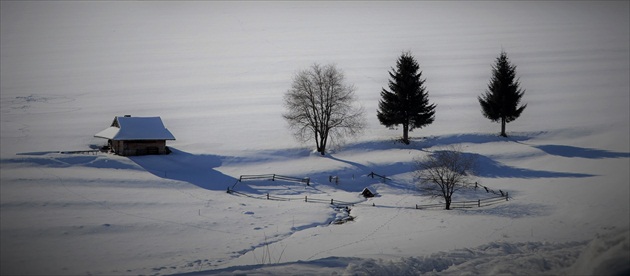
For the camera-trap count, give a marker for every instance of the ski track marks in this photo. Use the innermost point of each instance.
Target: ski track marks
(365, 237)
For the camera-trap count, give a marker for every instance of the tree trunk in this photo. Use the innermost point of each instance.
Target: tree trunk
(322, 147)
(503, 127)
(406, 134)
(324, 141)
(320, 144)
(448, 203)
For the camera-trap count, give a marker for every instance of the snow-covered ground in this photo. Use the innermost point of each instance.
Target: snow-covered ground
(216, 73)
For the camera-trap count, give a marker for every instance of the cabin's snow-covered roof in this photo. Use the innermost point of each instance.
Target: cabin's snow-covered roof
(136, 128)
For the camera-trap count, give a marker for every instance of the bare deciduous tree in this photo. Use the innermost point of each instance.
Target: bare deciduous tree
(444, 172)
(321, 107)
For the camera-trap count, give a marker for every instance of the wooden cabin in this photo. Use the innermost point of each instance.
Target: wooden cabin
(129, 136)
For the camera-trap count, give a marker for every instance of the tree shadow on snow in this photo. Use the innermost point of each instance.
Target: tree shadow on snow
(487, 167)
(420, 143)
(570, 151)
(471, 138)
(197, 169)
(356, 178)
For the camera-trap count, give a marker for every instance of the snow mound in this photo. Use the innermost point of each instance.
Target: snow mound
(607, 254)
(604, 255)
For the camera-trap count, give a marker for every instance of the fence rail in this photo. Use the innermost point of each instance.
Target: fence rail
(372, 175)
(305, 198)
(466, 204)
(274, 177)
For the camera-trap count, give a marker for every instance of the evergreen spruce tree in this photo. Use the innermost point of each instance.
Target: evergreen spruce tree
(501, 100)
(406, 102)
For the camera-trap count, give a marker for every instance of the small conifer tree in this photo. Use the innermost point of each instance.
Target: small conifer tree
(501, 100)
(406, 102)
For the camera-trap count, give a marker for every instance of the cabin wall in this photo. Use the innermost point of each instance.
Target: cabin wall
(140, 147)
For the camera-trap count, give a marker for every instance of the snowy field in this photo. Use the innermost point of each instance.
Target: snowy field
(216, 72)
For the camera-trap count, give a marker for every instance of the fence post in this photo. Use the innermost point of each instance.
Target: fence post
(267, 195)
(228, 189)
(331, 201)
(416, 206)
(478, 202)
(305, 198)
(308, 181)
(273, 177)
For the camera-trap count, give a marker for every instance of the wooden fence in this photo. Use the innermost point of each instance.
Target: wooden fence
(499, 197)
(305, 198)
(274, 177)
(382, 177)
(466, 204)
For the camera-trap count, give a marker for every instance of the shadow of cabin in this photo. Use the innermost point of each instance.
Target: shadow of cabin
(129, 136)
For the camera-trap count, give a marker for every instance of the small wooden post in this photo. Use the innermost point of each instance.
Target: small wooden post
(305, 198)
(267, 195)
(331, 201)
(478, 202)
